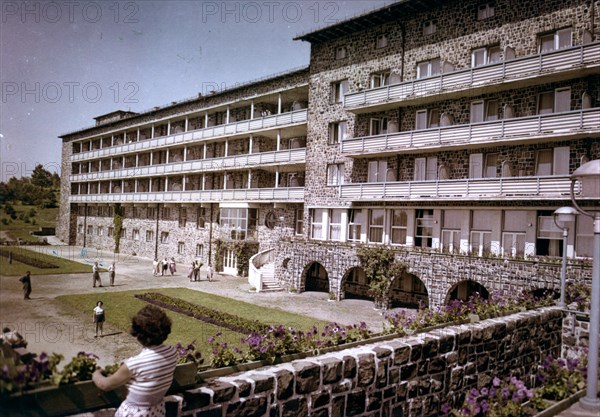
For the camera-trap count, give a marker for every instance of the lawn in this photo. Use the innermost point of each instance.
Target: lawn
(19, 228)
(121, 306)
(65, 266)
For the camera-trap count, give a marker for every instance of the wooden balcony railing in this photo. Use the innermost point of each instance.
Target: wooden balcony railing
(230, 129)
(288, 156)
(562, 60)
(287, 194)
(568, 124)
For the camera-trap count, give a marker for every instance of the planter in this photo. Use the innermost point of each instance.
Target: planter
(560, 406)
(473, 318)
(185, 375)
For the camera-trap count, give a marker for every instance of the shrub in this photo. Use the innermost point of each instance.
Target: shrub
(560, 378)
(80, 368)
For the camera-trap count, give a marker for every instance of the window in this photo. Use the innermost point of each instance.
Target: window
(135, 234)
(562, 38)
(151, 213)
(90, 229)
(452, 222)
(123, 234)
(338, 89)
(335, 174)
(381, 41)
(484, 111)
(380, 79)
(199, 250)
(182, 216)
(378, 126)
(398, 227)
(485, 11)
(110, 232)
(377, 171)
(429, 28)
(487, 55)
(335, 224)
(426, 169)
(555, 101)
(166, 213)
(552, 161)
(355, 221)
(340, 53)
(238, 223)
(513, 233)
(181, 248)
(424, 229)
(80, 228)
(425, 119)
(481, 233)
(483, 166)
(337, 132)
(549, 236)
(316, 226)
(149, 235)
(164, 237)
(99, 230)
(584, 243)
(201, 218)
(376, 217)
(429, 68)
(299, 221)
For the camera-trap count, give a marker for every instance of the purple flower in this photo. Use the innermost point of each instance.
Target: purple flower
(496, 382)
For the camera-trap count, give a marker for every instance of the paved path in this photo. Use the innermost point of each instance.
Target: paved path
(52, 327)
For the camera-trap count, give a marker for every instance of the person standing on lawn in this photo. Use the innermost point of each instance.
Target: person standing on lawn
(149, 374)
(26, 281)
(99, 317)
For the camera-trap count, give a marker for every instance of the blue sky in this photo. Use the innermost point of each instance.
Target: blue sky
(63, 63)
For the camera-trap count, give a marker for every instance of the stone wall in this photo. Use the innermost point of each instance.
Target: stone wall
(439, 272)
(409, 376)
(575, 334)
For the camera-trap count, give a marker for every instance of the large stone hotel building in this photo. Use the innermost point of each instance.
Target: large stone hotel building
(446, 130)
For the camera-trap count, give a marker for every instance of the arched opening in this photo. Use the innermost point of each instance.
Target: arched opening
(545, 293)
(316, 278)
(465, 289)
(355, 284)
(408, 291)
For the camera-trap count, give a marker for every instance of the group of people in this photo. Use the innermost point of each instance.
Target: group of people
(96, 274)
(164, 266)
(194, 271)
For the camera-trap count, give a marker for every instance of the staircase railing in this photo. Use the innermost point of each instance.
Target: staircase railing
(256, 262)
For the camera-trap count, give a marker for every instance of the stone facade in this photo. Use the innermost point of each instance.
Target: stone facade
(410, 376)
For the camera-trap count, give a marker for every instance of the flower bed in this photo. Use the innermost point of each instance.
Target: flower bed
(34, 261)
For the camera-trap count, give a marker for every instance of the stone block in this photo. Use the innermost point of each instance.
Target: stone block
(247, 407)
(331, 369)
(349, 366)
(356, 403)
(285, 384)
(320, 399)
(196, 398)
(294, 408)
(243, 387)
(366, 369)
(308, 376)
(262, 382)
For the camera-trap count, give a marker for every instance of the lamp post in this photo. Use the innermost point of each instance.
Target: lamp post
(588, 175)
(562, 218)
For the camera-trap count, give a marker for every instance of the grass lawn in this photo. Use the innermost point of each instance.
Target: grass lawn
(17, 268)
(44, 217)
(121, 306)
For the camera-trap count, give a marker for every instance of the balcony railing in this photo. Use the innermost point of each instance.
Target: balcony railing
(295, 156)
(574, 123)
(562, 60)
(550, 187)
(287, 194)
(229, 129)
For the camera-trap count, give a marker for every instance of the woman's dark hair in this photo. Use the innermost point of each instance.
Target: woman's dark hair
(150, 326)
(99, 302)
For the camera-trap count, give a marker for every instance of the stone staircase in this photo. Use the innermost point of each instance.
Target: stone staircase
(269, 283)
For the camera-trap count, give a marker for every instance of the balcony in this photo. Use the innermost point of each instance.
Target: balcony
(240, 128)
(551, 65)
(258, 195)
(515, 188)
(567, 125)
(288, 156)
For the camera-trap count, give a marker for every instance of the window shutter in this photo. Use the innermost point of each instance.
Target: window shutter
(561, 160)
(476, 165)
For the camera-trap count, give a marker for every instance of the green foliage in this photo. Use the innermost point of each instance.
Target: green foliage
(118, 226)
(243, 250)
(560, 378)
(381, 268)
(41, 177)
(219, 252)
(80, 368)
(30, 258)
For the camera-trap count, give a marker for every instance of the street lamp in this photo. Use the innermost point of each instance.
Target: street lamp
(588, 176)
(562, 218)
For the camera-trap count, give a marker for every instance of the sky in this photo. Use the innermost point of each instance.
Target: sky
(64, 62)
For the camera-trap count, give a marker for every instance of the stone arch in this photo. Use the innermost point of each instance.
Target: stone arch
(463, 290)
(355, 284)
(408, 291)
(315, 278)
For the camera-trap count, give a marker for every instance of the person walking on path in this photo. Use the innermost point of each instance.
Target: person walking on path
(165, 265)
(191, 271)
(111, 274)
(149, 374)
(172, 266)
(197, 266)
(99, 317)
(96, 275)
(155, 266)
(209, 272)
(26, 281)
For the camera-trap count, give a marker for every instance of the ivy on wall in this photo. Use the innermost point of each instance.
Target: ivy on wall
(118, 226)
(382, 269)
(243, 251)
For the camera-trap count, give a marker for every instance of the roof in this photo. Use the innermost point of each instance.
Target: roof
(391, 12)
(115, 113)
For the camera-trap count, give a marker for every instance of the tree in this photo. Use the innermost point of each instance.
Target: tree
(41, 177)
(381, 268)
